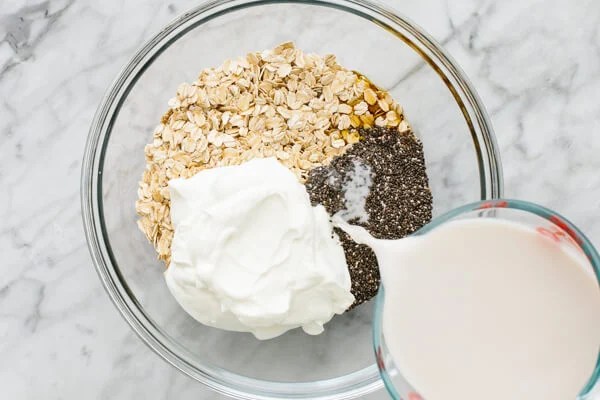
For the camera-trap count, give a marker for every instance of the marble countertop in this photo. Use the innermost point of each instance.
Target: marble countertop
(536, 65)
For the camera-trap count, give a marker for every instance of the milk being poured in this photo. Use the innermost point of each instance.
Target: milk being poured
(488, 309)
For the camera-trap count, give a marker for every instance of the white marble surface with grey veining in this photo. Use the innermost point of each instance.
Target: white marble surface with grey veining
(535, 63)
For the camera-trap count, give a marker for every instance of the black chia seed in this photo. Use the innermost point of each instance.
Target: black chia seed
(398, 204)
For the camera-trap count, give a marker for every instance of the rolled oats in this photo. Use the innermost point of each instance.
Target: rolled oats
(302, 108)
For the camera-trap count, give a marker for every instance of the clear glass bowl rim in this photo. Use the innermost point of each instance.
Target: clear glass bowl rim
(485, 205)
(349, 386)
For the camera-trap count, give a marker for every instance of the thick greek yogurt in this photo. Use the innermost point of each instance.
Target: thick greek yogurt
(251, 254)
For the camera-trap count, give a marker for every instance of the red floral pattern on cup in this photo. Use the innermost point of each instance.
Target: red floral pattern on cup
(379, 358)
(556, 220)
(494, 204)
(558, 235)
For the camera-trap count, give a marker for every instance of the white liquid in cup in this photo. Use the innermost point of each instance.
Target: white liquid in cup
(488, 309)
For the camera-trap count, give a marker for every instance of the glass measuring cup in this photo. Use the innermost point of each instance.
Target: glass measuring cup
(545, 222)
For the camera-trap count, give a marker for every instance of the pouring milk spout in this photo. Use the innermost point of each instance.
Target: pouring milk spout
(492, 305)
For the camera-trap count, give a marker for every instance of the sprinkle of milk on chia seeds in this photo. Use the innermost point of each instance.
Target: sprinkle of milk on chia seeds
(397, 202)
(333, 179)
(356, 190)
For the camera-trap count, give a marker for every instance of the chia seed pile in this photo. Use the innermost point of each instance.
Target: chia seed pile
(399, 202)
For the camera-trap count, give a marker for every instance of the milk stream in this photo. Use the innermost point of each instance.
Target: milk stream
(488, 309)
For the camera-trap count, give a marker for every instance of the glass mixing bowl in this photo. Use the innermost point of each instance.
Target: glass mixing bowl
(446, 113)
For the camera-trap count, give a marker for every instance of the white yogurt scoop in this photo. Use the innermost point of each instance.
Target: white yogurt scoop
(251, 254)
(488, 309)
